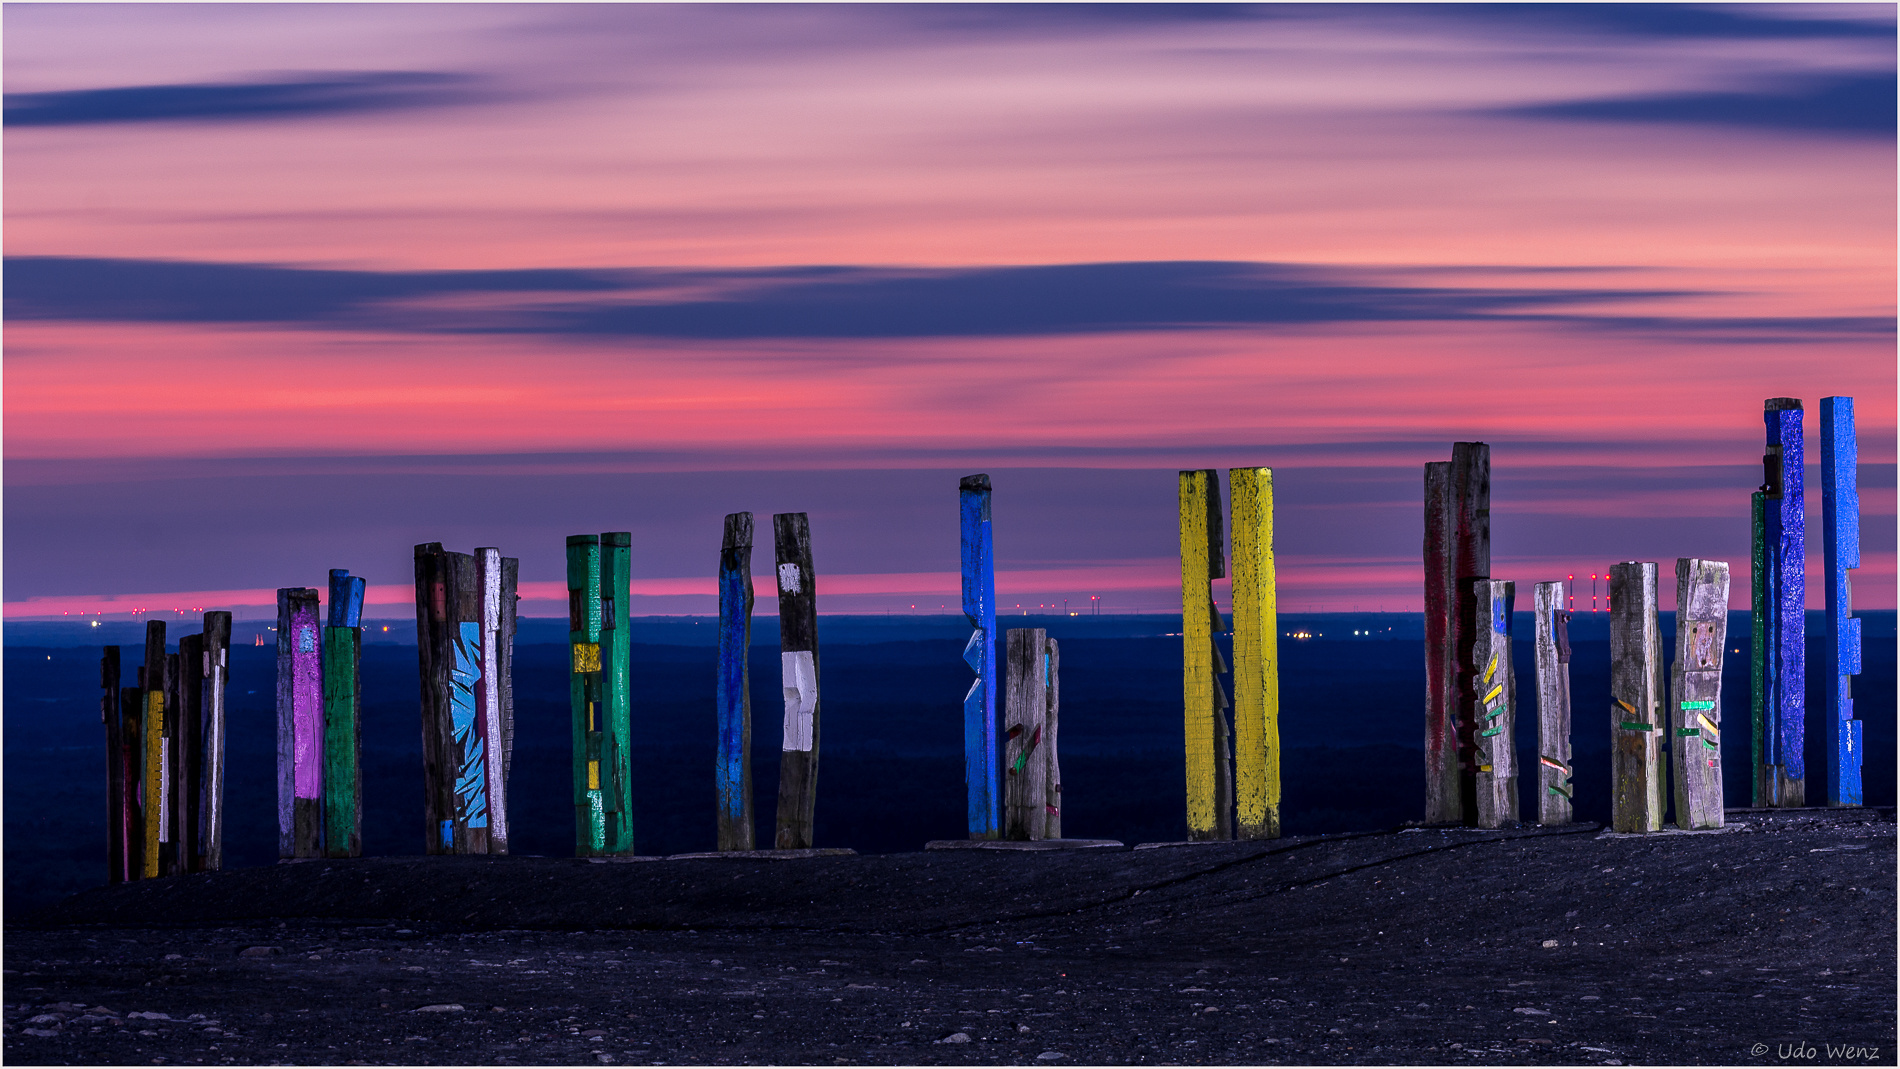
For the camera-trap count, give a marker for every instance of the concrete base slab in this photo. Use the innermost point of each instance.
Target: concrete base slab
(770, 855)
(1033, 844)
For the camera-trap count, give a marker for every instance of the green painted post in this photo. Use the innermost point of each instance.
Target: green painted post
(600, 690)
(342, 742)
(616, 646)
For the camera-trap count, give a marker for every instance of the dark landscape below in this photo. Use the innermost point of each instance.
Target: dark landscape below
(1352, 940)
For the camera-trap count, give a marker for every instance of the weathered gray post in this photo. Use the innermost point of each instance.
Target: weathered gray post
(1636, 802)
(1052, 769)
(1696, 690)
(1553, 706)
(1025, 779)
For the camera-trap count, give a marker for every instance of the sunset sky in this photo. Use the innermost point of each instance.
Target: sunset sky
(295, 287)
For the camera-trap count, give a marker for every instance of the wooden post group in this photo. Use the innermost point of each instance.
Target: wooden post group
(165, 755)
(465, 626)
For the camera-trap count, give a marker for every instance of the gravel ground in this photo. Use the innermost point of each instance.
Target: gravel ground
(1771, 942)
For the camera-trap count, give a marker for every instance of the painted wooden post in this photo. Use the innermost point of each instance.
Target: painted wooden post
(1695, 691)
(798, 666)
(1494, 712)
(593, 764)
(464, 621)
(1554, 795)
(1840, 542)
(299, 725)
(342, 718)
(188, 748)
(109, 715)
(169, 846)
(1636, 723)
(598, 691)
(1051, 763)
(152, 795)
(1758, 659)
(1256, 657)
(732, 771)
(616, 683)
(1210, 782)
(217, 645)
(1026, 706)
(1785, 543)
(981, 775)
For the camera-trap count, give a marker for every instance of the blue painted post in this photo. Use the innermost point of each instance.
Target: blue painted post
(979, 705)
(732, 775)
(1840, 541)
(1784, 545)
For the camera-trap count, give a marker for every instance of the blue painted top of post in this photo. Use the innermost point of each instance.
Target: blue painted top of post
(1840, 484)
(979, 566)
(346, 598)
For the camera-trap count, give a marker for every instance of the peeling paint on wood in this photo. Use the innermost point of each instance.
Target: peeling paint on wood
(1840, 542)
(982, 781)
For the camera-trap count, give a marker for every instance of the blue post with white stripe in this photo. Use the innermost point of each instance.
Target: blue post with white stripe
(1840, 541)
(979, 705)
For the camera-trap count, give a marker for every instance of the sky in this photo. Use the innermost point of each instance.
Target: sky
(296, 287)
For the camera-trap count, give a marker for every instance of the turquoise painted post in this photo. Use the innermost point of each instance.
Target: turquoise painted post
(1785, 552)
(979, 705)
(1840, 541)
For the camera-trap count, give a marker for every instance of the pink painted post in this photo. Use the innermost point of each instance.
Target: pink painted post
(299, 724)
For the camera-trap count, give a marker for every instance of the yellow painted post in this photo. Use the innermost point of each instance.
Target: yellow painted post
(154, 779)
(1256, 657)
(1197, 656)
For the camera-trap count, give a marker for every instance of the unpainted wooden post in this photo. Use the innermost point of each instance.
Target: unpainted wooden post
(1554, 794)
(109, 675)
(1785, 545)
(1759, 683)
(217, 670)
(299, 724)
(1256, 657)
(1494, 712)
(732, 771)
(1636, 722)
(155, 782)
(1025, 780)
(798, 667)
(1840, 541)
(1470, 488)
(1695, 693)
(188, 767)
(132, 777)
(342, 718)
(1052, 767)
(1204, 702)
(981, 776)
(1442, 805)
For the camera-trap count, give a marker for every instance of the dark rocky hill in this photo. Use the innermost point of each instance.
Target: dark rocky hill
(1754, 945)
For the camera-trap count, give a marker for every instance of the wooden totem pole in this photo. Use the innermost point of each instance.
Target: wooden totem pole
(1553, 706)
(732, 770)
(1457, 551)
(1695, 692)
(599, 568)
(1840, 540)
(1636, 721)
(980, 771)
(1210, 782)
(798, 668)
(342, 718)
(1781, 657)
